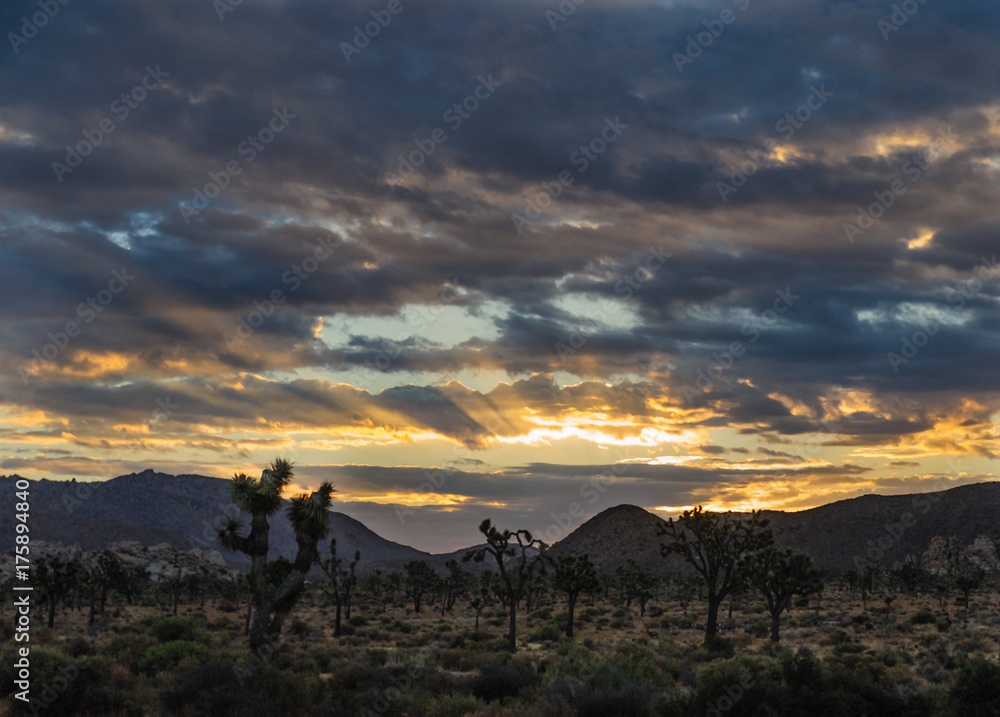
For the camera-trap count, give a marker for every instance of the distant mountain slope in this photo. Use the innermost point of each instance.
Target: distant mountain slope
(896, 525)
(891, 527)
(154, 508)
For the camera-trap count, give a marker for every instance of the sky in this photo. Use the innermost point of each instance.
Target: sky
(524, 260)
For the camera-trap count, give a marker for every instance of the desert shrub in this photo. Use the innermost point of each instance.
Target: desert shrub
(450, 705)
(210, 688)
(923, 617)
(548, 631)
(887, 656)
(78, 646)
(497, 680)
(602, 701)
(67, 686)
(172, 629)
(542, 613)
(863, 620)
(299, 627)
(737, 687)
(975, 691)
(761, 627)
(622, 612)
(165, 657)
(837, 637)
(848, 648)
(943, 624)
(358, 621)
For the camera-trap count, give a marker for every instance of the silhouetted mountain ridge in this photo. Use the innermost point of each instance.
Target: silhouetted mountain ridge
(153, 508)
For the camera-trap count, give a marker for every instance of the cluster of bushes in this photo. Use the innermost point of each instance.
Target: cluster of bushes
(190, 668)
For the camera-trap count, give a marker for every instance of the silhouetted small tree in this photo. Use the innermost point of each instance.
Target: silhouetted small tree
(712, 543)
(420, 580)
(517, 546)
(454, 585)
(573, 575)
(340, 582)
(55, 578)
(780, 575)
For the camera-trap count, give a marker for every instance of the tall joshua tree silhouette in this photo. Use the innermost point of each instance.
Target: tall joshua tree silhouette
(261, 498)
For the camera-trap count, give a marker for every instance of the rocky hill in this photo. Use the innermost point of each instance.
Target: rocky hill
(838, 535)
(153, 508)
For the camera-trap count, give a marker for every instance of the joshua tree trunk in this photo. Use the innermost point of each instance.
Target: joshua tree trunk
(711, 624)
(512, 636)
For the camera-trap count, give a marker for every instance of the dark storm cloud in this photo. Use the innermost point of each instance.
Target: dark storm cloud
(324, 176)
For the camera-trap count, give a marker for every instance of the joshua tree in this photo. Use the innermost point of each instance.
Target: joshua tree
(261, 498)
(103, 574)
(780, 576)
(55, 578)
(635, 584)
(342, 582)
(420, 579)
(712, 543)
(516, 572)
(573, 575)
(454, 585)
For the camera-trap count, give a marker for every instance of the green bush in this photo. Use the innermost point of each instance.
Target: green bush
(760, 627)
(64, 686)
(976, 689)
(166, 657)
(548, 631)
(497, 680)
(172, 629)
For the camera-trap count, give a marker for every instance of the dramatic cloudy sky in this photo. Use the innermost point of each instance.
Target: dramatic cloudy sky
(690, 318)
